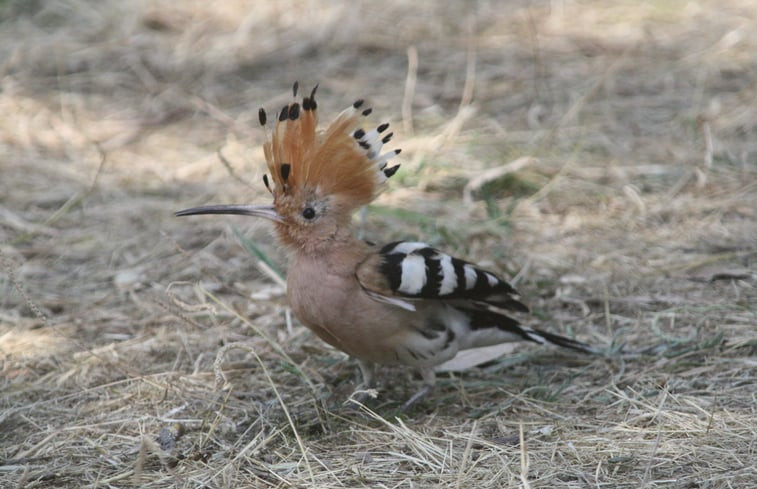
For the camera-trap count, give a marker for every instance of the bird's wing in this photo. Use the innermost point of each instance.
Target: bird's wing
(473, 301)
(406, 271)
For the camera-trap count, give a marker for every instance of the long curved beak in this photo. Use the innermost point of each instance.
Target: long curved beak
(266, 211)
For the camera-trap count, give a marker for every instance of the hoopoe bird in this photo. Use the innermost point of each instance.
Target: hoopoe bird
(403, 303)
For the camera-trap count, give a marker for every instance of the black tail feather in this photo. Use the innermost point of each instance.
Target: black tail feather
(482, 318)
(542, 337)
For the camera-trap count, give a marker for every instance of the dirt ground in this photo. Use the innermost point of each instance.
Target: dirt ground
(601, 154)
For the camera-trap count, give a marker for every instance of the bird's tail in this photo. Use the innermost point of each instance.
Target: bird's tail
(544, 337)
(486, 326)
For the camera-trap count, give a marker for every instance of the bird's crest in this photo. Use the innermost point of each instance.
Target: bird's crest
(343, 161)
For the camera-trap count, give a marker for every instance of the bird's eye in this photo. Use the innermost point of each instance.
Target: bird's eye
(308, 213)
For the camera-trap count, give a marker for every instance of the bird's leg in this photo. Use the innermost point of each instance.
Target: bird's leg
(362, 390)
(429, 379)
(367, 370)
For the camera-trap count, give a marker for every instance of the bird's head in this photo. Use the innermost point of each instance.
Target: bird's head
(318, 178)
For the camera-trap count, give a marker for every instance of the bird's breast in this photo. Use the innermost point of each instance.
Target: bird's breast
(327, 298)
(322, 297)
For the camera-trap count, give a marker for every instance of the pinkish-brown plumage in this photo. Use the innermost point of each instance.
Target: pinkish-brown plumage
(403, 303)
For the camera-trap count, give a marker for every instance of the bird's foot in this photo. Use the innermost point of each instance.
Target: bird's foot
(417, 397)
(365, 389)
(361, 395)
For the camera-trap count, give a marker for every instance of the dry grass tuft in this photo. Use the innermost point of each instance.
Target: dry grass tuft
(605, 155)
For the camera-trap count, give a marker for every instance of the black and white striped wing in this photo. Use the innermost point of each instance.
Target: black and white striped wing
(409, 271)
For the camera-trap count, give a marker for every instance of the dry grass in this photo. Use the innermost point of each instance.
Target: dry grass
(633, 224)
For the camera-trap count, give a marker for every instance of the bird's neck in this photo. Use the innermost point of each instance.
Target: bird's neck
(339, 242)
(338, 257)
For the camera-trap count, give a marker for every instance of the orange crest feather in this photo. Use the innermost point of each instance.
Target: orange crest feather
(343, 162)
